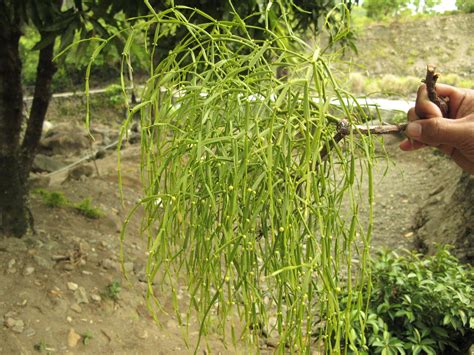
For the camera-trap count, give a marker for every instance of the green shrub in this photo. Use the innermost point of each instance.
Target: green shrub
(465, 5)
(88, 210)
(52, 198)
(418, 305)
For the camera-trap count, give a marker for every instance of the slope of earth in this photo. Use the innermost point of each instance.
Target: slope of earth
(404, 47)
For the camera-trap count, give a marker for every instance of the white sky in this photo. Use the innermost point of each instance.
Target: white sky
(446, 5)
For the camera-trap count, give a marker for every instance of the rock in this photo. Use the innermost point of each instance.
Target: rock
(16, 325)
(72, 338)
(76, 308)
(128, 266)
(82, 170)
(38, 181)
(172, 324)
(43, 163)
(11, 263)
(109, 264)
(29, 332)
(96, 298)
(28, 270)
(72, 286)
(81, 295)
(43, 262)
(47, 126)
(65, 139)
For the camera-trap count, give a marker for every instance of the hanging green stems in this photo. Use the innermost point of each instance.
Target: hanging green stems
(245, 185)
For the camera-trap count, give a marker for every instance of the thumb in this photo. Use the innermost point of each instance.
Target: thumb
(438, 130)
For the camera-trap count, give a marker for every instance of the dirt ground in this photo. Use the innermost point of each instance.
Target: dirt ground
(59, 288)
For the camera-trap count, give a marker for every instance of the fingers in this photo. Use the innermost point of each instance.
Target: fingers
(437, 130)
(462, 161)
(424, 108)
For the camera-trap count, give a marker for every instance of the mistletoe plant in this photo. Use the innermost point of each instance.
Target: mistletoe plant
(246, 181)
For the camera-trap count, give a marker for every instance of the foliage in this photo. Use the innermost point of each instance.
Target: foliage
(86, 338)
(52, 198)
(112, 291)
(417, 305)
(465, 5)
(242, 194)
(381, 8)
(57, 199)
(87, 209)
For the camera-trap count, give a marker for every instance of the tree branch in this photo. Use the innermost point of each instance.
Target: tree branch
(430, 81)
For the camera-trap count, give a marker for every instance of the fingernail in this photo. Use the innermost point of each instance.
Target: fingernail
(413, 129)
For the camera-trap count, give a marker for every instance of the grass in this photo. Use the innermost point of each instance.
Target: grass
(112, 290)
(55, 199)
(87, 209)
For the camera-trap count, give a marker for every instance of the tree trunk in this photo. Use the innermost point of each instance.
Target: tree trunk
(13, 212)
(42, 96)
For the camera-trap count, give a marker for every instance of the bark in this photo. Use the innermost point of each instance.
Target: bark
(13, 212)
(42, 96)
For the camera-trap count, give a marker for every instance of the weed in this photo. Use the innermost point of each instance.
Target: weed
(86, 208)
(52, 198)
(112, 290)
(86, 338)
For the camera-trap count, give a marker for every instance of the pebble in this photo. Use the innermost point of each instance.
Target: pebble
(172, 324)
(88, 273)
(409, 235)
(11, 263)
(43, 262)
(72, 286)
(76, 308)
(109, 264)
(72, 338)
(128, 266)
(96, 298)
(28, 270)
(16, 325)
(29, 332)
(81, 295)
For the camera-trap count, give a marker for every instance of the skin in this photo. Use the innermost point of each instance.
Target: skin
(454, 135)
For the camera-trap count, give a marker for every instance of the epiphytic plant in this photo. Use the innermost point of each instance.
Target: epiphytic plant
(252, 204)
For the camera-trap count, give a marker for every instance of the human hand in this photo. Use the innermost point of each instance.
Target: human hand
(454, 135)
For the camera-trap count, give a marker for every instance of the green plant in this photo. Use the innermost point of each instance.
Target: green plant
(115, 94)
(245, 179)
(112, 290)
(52, 198)
(465, 5)
(87, 209)
(418, 305)
(86, 338)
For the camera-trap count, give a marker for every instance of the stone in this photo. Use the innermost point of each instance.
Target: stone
(76, 308)
(72, 286)
(65, 139)
(81, 295)
(43, 262)
(96, 298)
(29, 332)
(128, 266)
(28, 270)
(16, 325)
(72, 338)
(109, 264)
(82, 170)
(43, 163)
(11, 263)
